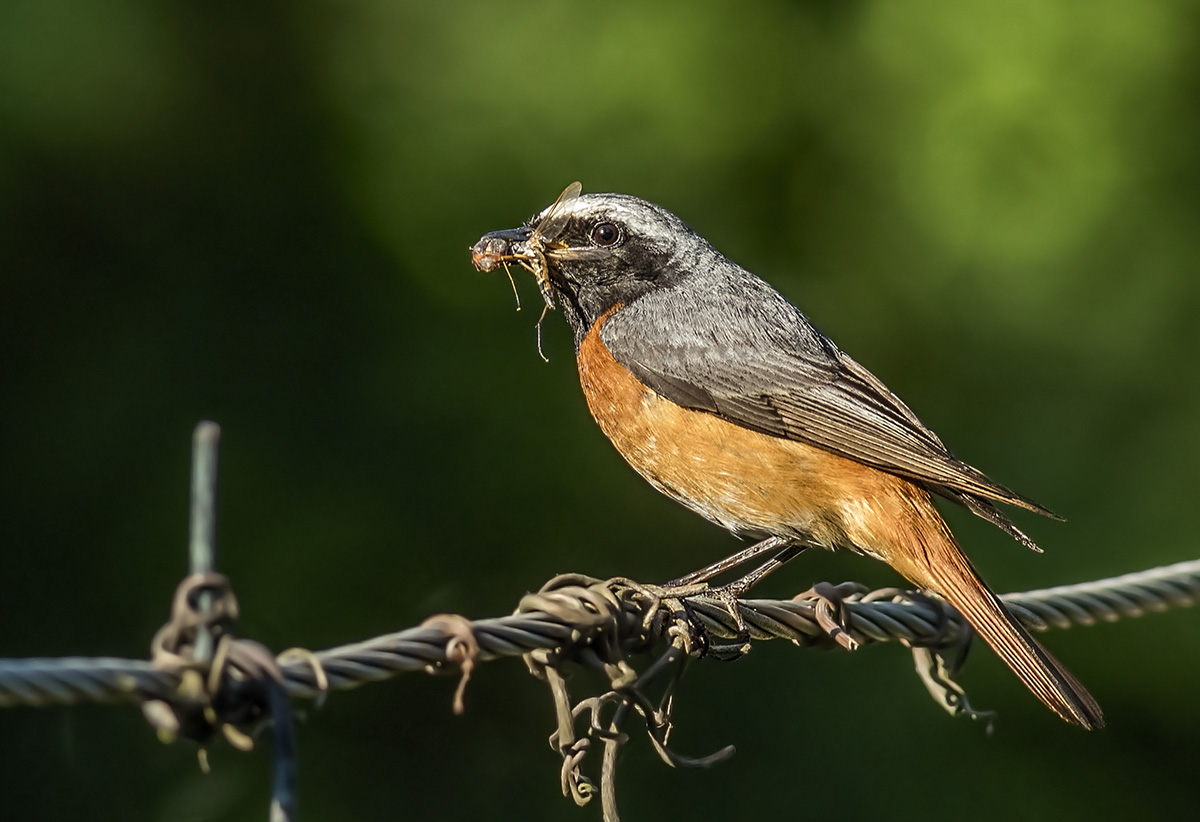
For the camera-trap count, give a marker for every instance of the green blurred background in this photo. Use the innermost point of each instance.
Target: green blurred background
(259, 213)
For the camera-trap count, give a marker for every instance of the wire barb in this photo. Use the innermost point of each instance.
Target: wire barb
(202, 527)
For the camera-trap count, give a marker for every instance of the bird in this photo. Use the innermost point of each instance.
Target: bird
(724, 396)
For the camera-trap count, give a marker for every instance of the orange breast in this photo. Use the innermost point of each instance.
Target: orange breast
(750, 483)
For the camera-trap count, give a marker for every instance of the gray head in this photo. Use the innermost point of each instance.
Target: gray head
(596, 251)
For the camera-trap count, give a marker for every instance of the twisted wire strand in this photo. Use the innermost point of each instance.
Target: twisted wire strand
(882, 616)
(1108, 600)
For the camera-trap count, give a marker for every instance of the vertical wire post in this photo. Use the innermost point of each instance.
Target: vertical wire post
(202, 532)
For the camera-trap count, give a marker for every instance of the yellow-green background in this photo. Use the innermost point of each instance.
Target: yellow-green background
(259, 213)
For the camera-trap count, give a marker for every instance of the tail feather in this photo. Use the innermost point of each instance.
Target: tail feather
(952, 576)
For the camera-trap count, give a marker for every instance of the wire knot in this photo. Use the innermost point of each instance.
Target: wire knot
(610, 620)
(230, 686)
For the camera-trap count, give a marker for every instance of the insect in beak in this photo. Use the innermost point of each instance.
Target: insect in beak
(515, 245)
(500, 248)
(527, 246)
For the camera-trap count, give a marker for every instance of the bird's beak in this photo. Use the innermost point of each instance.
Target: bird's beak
(498, 247)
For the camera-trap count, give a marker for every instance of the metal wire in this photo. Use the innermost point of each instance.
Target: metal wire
(881, 616)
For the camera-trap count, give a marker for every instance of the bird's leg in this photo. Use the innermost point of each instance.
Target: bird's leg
(738, 587)
(734, 560)
(728, 595)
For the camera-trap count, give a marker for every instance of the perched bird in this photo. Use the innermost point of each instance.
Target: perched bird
(723, 396)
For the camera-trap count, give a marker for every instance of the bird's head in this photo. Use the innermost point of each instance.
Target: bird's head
(595, 251)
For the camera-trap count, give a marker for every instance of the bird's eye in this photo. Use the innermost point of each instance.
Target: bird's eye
(605, 234)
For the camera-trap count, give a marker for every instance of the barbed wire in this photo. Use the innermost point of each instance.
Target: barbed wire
(202, 681)
(885, 615)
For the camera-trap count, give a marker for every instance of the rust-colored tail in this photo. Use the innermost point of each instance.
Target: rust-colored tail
(942, 568)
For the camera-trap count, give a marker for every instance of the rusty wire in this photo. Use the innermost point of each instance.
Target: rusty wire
(881, 616)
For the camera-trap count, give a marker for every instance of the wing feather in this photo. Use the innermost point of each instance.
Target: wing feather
(758, 362)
